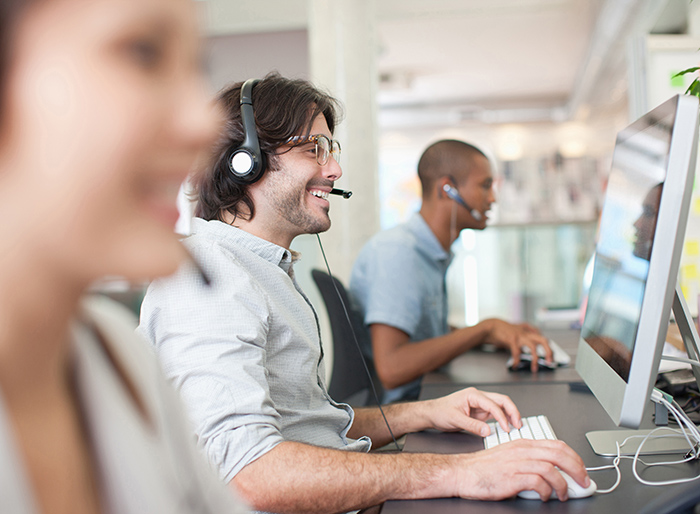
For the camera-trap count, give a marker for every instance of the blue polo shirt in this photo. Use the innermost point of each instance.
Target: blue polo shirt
(399, 280)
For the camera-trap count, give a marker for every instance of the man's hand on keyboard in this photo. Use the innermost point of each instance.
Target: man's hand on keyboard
(515, 337)
(468, 410)
(507, 469)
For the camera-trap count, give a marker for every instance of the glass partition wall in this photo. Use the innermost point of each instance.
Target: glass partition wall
(532, 273)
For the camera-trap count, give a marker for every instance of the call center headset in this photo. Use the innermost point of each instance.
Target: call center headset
(452, 193)
(247, 162)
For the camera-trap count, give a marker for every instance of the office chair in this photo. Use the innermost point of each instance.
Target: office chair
(349, 381)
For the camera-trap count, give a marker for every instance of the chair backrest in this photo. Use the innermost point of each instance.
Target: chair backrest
(349, 381)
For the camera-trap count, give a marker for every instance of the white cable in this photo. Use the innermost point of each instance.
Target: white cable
(679, 415)
(687, 429)
(616, 466)
(685, 424)
(681, 359)
(616, 461)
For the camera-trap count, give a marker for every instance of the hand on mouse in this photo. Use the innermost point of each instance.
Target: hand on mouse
(515, 338)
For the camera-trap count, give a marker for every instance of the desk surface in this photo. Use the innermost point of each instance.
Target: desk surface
(572, 414)
(480, 367)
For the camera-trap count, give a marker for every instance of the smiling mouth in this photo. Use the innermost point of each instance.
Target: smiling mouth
(319, 194)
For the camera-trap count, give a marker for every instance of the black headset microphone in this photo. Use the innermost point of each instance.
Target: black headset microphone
(454, 195)
(341, 192)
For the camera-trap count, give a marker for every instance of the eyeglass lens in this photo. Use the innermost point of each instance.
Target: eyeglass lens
(324, 148)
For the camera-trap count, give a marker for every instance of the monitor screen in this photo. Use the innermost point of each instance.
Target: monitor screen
(625, 242)
(637, 256)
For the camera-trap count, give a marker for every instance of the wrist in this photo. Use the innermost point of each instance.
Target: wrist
(412, 416)
(437, 476)
(487, 326)
(424, 415)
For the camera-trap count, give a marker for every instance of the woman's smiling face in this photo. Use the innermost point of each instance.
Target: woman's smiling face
(104, 113)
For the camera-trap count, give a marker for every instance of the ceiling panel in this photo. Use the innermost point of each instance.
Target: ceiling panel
(485, 54)
(482, 54)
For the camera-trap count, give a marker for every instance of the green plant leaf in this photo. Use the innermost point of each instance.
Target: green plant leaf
(685, 72)
(694, 88)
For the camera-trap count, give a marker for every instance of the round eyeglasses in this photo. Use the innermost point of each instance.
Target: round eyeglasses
(324, 146)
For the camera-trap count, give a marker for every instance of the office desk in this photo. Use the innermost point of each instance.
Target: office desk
(479, 367)
(572, 414)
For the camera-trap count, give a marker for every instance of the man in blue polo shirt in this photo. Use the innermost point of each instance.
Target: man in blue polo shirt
(398, 280)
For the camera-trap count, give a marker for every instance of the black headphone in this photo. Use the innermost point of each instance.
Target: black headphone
(247, 162)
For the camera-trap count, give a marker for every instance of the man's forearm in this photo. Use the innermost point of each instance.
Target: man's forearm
(295, 477)
(399, 361)
(403, 418)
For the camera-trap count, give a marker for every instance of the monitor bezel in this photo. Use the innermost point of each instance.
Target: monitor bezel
(625, 402)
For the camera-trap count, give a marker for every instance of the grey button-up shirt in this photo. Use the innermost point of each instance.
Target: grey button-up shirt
(246, 351)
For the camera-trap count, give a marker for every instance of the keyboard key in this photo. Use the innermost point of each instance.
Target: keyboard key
(534, 427)
(491, 440)
(525, 432)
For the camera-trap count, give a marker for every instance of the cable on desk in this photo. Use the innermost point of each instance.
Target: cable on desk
(687, 429)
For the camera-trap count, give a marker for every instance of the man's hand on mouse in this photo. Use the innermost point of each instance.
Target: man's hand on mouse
(515, 337)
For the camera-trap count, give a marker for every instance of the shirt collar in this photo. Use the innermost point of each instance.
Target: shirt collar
(233, 238)
(428, 242)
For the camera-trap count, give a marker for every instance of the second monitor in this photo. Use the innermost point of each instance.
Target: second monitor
(641, 235)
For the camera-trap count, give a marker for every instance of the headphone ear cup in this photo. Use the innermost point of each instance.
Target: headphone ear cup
(246, 166)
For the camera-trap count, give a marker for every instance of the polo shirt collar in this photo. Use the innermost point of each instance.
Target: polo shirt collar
(428, 242)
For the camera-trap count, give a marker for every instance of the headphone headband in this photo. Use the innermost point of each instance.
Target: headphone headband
(247, 91)
(247, 161)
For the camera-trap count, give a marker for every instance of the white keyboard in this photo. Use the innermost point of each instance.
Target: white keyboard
(534, 427)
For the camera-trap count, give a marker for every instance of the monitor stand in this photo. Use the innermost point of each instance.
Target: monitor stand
(603, 441)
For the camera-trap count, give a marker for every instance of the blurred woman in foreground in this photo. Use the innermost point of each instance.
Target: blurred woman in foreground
(102, 115)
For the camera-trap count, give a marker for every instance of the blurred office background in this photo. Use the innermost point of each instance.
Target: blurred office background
(541, 85)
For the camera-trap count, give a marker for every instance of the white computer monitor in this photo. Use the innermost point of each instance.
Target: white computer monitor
(641, 234)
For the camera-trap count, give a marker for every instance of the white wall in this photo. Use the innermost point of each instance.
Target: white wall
(239, 57)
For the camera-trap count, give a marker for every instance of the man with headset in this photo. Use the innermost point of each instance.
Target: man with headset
(398, 280)
(245, 352)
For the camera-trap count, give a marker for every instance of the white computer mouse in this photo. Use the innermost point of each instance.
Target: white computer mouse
(575, 490)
